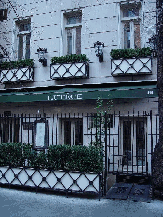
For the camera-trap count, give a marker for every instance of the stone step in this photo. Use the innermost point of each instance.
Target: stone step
(124, 191)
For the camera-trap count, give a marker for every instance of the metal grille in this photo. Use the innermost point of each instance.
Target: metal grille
(17, 75)
(53, 180)
(123, 155)
(69, 70)
(131, 66)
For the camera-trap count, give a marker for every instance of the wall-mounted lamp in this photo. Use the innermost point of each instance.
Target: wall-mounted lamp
(1, 57)
(153, 44)
(99, 50)
(41, 56)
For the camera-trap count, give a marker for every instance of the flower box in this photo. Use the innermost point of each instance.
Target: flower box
(49, 179)
(132, 66)
(17, 74)
(69, 70)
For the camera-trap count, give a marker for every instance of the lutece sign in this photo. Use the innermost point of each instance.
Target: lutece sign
(66, 96)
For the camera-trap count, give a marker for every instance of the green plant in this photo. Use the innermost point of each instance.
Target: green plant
(101, 119)
(17, 64)
(69, 59)
(37, 160)
(14, 154)
(58, 157)
(130, 53)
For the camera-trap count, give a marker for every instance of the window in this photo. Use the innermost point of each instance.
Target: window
(73, 24)
(133, 141)
(72, 131)
(3, 14)
(23, 37)
(9, 129)
(130, 26)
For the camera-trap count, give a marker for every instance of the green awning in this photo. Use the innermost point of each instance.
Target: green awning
(149, 91)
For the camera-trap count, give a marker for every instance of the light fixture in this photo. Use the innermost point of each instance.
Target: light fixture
(99, 50)
(1, 57)
(41, 56)
(153, 44)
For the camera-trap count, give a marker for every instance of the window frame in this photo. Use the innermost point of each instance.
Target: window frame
(133, 148)
(74, 133)
(73, 28)
(23, 52)
(131, 20)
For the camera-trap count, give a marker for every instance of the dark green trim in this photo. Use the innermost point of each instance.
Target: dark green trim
(149, 91)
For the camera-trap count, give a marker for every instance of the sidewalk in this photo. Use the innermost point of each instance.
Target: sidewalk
(16, 203)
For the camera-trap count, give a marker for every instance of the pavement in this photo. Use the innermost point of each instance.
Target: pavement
(18, 203)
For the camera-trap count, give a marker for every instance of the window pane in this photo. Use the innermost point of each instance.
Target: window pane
(67, 132)
(69, 41)
(74, 19)
(3, 14)
(126, 142)
(130, 12)
(27, 54)
(24, 27)
(20, 47)
(127, 35)
(79, 132)
(78, 40)
(140, 143)
(137, 41)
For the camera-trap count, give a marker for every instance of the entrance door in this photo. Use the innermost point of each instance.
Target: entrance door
(73, 131)
(133, 142)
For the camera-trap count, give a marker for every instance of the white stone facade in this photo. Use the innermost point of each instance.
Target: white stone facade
(51, 27)
(101, 21)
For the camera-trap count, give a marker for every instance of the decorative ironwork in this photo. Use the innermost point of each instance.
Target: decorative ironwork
(17, 75)
(69, 70)
(133, 66)
(119, 158)
(53, 180)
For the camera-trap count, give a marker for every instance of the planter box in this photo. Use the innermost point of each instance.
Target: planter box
(54, 180)
(69, 70)
(16, 75)
(134, 66)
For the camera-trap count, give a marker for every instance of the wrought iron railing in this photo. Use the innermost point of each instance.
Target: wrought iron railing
(133, 66)
(17, 75)
(51, 180)
(69, 70)
(128, 141)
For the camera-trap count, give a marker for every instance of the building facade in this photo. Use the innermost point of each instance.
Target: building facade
(51, 102)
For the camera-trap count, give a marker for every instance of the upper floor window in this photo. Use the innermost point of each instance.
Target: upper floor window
(130, 26)
(23, 38)
(73, 26)
(3, 14)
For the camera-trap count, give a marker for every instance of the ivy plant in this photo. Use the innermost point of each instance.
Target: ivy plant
(17, 64)
(73, 58)
(101, 119)
(130, 53)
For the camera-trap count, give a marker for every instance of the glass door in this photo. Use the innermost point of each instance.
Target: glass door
(133, 142)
